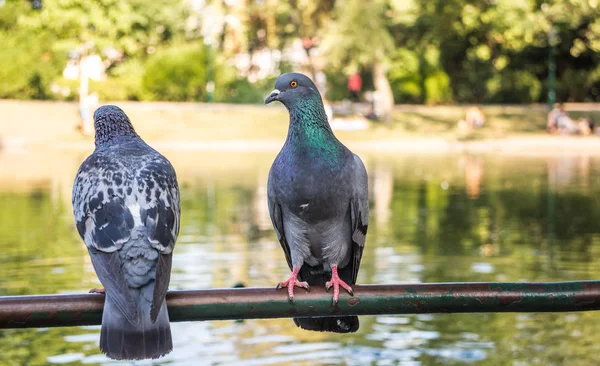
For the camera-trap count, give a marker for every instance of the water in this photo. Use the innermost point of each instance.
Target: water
(433, 218)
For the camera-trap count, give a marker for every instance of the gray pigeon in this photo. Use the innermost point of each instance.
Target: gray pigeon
(126, 206)
(318, 201)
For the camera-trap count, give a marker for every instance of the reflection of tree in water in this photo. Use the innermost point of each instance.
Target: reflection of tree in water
(508, 219)
(40, 254)
(37, 243)
(33, 346)
(425, 226)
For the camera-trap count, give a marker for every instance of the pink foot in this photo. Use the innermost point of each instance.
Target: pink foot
(97, 291)
(291, 283)
(336, 282)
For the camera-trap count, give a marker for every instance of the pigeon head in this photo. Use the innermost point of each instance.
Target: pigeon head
(111, 123)
(293, 87)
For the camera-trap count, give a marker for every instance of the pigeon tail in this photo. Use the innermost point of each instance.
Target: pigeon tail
(315, 276)
(121, 340)
(338, 324)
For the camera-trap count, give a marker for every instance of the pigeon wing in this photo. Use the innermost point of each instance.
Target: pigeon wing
(277, 220)
(104, 223)
(160, 214)
(359, 212)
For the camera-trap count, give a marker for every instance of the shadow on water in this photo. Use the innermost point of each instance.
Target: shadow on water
(433, 218)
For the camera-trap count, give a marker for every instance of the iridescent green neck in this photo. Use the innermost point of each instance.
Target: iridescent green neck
(308, 123)
(310, 135)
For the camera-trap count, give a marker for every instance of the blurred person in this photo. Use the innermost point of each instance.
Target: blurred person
(370, 113)
(474, 117)
(87, 104)
(551, 122)
(584, 128)
(559, 122)
(307, 44)
(354, 86)
(587, 126)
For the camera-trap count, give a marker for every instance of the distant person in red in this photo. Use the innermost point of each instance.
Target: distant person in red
(354, 86)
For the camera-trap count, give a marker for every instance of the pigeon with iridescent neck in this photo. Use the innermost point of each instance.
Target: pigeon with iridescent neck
(126, 206)
(318, 201)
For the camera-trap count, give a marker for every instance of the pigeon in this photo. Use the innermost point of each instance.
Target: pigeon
(318, 201)
(126, 207)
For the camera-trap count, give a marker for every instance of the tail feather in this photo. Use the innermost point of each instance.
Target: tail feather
(339, 324)
(120, 340)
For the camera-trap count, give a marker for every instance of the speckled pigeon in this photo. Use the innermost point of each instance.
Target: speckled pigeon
(318, 201)
(126, 206)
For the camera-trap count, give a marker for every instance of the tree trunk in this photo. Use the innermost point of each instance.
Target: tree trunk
(384, 92)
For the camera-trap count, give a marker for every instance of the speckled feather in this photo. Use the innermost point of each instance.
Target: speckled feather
(318, 198)
(126, 207)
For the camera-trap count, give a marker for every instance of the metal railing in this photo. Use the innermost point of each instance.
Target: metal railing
(252, 303)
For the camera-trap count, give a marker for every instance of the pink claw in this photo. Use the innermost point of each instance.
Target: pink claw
(291, 283)
(336, 282)
(97, 291)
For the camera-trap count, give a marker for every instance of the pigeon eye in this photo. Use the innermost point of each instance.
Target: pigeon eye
(293, 83)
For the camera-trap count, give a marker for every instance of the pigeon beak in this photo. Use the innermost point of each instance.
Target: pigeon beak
(273, 96)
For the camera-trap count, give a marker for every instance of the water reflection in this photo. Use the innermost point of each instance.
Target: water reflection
(434, 218)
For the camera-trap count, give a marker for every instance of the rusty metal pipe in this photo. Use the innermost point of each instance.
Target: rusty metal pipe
(252, 303)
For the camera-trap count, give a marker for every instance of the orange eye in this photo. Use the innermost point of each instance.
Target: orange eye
(293, 83)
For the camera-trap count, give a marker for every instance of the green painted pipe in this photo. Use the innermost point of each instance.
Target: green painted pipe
(252, 303)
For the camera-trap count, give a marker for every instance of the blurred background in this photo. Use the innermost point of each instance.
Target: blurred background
(475, 120)
(230, 51)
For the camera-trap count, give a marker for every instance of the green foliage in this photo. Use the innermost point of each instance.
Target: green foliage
(337, 85)
(417, 77)
(498, 51)
(124, 83)
(130, 25)
(358, 36)
(177, 74)
(27, 63)
(514, 87)
(438, 89)
(438, 51)
(27, 66)
(404, 77)
(240, 91)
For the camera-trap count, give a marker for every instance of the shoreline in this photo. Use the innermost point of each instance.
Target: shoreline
(512, 129)
(542, 145)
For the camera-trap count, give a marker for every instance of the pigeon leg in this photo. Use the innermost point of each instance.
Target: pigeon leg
(291, 283)
(336, 282)
(97, 291)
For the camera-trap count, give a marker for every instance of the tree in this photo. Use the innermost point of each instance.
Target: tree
(359, 37)
(28, 62)
(134, 26)
(177, 74)
(498, 51)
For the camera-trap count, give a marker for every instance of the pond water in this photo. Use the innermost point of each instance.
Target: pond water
(434, 218)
